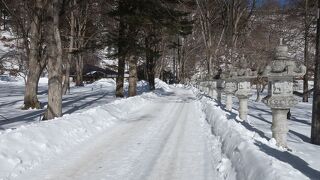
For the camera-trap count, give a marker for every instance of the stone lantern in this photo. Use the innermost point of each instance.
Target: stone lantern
(216, 86)
(280, 97)
(206, 85)
(230, 88)
(220, 88)
(243, 77)
(212, 89)
(237, 83)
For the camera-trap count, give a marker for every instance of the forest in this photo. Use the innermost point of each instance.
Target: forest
(159, 89)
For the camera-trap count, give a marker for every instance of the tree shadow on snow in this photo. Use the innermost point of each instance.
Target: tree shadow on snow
(300, 121)
(233, 116)
(37, 114)
(10, 103)
(286, 157)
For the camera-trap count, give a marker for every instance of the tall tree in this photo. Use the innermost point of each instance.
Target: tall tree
(315, 128)
(121, 48)
(67, 66)
(36, 60)
(147, 20)
(208, 12)
(306, 51)
(53, 40)
(27, 22)
(162, 17)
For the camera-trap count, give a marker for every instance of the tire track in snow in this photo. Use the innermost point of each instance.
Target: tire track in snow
(163, 140)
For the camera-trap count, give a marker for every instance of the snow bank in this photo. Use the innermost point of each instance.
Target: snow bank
(247, 150)
(18, 80)
(162, 85)
(27, 147)
(104, 82)
(43, 80)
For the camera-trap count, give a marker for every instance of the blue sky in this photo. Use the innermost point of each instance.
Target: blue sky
(281, 2)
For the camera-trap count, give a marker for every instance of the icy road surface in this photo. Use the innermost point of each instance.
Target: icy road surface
(166, 138)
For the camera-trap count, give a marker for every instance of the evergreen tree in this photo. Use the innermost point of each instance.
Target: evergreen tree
(142, 24)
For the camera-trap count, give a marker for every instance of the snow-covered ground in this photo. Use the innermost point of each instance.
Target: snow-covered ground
(173, 133)
(302, 156)
(79, 98)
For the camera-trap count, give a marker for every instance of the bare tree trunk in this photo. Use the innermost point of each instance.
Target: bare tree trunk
(315, 128)
(30, 95)
(66, 81)
(121, 55)
(178, 66)
(120, 76)
(258, 87)
(121, 67)
(174, 66)
(306, 46)
(79, 70)
(150, 62)
(133, 76)
(35, 70)
(66, 85)
(54, 62)
(150, 72)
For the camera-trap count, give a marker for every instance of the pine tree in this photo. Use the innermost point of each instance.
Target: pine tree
(142, 24)
(157, 19)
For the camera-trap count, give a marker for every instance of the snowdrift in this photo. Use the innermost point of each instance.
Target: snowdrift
(104, 82)
(28, 146)
(243, 147)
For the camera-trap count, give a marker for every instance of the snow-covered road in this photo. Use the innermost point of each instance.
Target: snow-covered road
(174, 132)
(162, 139)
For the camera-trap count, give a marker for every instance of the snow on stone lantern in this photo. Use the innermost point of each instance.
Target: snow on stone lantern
(206, 84)
(243, 77)
(230, 88)
(280, 97)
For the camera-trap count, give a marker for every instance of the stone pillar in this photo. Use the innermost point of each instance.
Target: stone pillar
(220, 87)
(229, 90)
(207, 90)
(201, 86)
(229, 102)
(219, 96)
(280, 126)
(213, 88)
(243, 108)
